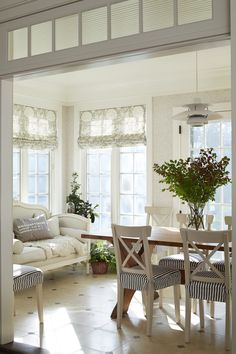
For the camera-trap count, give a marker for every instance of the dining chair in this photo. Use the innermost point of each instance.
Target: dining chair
(135, 271)
(176, 261)
(220, 265)
(25, 277)
(208, 284)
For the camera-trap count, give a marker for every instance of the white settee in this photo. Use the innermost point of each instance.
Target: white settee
(57, 251)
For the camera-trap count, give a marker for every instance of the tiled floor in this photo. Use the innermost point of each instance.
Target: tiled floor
(77, 320)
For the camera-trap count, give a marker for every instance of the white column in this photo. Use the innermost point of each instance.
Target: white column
(233, 83)
(6, 282)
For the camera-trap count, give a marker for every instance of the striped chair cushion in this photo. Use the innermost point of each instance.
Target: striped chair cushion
(162, 278)
(207, 291)
(176, 261)
(26, 277)
(220, 265)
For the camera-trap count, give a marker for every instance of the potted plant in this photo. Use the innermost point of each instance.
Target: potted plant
(101, 257)
(195, 180)
(76, 205)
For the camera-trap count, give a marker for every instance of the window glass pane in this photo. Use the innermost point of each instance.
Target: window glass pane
(18, 44)
(42, 184)
(140, 184)
(190, 11)
(94, 25)
(31, 184)
(126, 204)
(126, 163)
(32, 163)
(105, 185)
(16, 162)
(16, 187)
(43, 200)
(43, 163)
(227, 139)
(93, 184)
(157, 14)
(139, 203)
(31, 199)
(213, 135)
(93, 164)
(126, 220)
(41, 38)
(124, 18)
(140, 163)
(67, 32)
(126, 183)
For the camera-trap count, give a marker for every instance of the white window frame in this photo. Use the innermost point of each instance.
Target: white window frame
(23, 195)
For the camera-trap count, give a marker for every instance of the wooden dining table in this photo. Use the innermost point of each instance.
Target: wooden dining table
(160, 236)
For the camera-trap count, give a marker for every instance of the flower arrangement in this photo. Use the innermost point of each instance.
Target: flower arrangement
(195, 180)
(76, 204)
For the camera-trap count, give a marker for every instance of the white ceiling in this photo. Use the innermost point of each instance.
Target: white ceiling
(150, 77)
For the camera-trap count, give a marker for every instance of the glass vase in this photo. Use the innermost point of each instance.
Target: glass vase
(196, 216)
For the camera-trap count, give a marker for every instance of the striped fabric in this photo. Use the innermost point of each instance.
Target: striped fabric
(220, 265)
(162, 278)
(176, 261)
(207, 290)
(26, 277)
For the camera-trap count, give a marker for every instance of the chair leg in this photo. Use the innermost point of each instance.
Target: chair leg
(149, 309)
(195, 306)
(212, 309)
(39, 294)
(227, 322)
(160, 298)
(120, 301)
(201, 314)
(87, 268)
(177, 303)
(187, 317)
(144, 301)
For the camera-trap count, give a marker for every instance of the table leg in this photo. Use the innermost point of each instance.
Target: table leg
(128, 295)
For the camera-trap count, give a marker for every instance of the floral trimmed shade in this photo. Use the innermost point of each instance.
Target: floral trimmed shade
(34, 128)
(122, 126)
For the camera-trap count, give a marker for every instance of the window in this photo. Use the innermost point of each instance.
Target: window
(114, 139)
(34, 139)
(116, 180)
(31, 176)
(216, 134)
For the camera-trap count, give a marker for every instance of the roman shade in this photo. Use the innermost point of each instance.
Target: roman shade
(34, 128)
(121, 126)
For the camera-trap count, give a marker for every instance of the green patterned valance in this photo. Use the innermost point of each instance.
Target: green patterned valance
(122, 126)
(34, 128)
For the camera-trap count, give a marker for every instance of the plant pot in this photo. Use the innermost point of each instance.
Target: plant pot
(99, 267)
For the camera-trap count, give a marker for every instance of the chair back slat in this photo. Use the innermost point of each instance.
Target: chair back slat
(158, 216)
(128, 252)
(192, 239)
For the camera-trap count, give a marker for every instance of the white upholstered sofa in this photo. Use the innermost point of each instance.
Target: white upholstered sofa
(64, 247)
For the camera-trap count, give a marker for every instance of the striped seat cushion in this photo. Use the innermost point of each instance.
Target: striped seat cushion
(207, 290)
(176, 261)
(220, 265)
(162, 278)
(26, 277)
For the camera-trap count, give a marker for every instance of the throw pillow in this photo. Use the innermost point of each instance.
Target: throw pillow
(31, 229)
(53, 226)
(17, 246)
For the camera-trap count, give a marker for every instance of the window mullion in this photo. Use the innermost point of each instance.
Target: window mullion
(115, 185)
(24, 175)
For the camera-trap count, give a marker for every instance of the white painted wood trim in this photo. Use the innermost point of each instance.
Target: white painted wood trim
(233, 99)
(6, 274)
